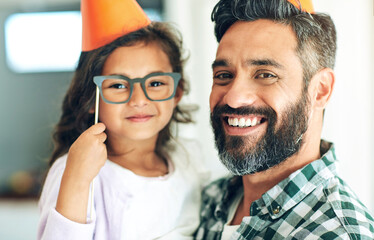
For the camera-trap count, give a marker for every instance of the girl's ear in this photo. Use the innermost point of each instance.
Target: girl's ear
(324, 80)
(92, 109)
(178, 95)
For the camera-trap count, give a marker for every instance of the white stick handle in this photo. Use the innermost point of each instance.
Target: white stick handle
(97, 105)
(96, 121)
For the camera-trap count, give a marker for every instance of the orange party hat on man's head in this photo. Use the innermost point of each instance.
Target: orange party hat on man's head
(105, 20)
(306, 5)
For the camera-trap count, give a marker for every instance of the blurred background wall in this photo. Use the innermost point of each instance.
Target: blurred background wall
(30, 101)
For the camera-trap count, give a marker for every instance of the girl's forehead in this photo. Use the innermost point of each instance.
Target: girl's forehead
(137, 60)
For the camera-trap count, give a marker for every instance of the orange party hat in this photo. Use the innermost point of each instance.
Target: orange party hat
(306, 5)
(105, 20)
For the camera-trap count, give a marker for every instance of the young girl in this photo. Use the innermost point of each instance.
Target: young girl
(147, 184)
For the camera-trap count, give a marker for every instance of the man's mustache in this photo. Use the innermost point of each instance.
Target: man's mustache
(220, 110)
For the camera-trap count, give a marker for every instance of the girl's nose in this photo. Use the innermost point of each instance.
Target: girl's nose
(138, 98)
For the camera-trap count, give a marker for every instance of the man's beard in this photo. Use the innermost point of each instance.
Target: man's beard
(271, 149)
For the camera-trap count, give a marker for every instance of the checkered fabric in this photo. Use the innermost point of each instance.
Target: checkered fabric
(312, 203)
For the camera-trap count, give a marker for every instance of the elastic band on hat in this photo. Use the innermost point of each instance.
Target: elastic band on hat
(306, 5)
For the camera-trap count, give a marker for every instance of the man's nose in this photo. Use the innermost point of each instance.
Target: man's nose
(242, 92)
(138, 98)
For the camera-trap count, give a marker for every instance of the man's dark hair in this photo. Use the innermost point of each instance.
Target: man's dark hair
(315, 32)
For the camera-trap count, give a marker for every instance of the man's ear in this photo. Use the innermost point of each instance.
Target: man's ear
(323, 82)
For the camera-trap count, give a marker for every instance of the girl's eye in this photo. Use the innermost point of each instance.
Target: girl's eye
(118, 86)
(155, 84)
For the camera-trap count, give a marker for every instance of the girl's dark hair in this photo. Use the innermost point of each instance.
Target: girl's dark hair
(316, 33)
(80, 97)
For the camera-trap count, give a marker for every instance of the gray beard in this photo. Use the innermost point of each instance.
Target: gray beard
(272, 149)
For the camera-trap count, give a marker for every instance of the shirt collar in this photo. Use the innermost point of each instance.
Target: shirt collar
(289, 192)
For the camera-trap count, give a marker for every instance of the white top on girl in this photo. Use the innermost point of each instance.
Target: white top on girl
(128, 206)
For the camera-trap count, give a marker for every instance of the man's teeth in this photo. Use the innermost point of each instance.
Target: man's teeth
(242, 122)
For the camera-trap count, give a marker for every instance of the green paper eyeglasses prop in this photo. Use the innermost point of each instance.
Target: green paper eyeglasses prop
(118, 89)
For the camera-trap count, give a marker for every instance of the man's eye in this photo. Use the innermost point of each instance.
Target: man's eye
(266, 75)
(223, 76)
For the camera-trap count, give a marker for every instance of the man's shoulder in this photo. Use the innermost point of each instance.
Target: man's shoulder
(342, 198)
(351, 212)
(335, 210)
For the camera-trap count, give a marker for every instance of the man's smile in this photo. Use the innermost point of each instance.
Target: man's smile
(244, 121)
(242, 124)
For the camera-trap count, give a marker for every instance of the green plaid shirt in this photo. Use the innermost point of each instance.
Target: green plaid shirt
(312, 203)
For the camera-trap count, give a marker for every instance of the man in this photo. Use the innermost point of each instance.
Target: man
(272, 79)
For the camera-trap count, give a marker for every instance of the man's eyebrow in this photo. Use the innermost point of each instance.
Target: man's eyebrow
(264, 62)
(220, 63)
(251, 62)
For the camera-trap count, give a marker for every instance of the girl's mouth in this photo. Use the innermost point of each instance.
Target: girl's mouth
(139, 118)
